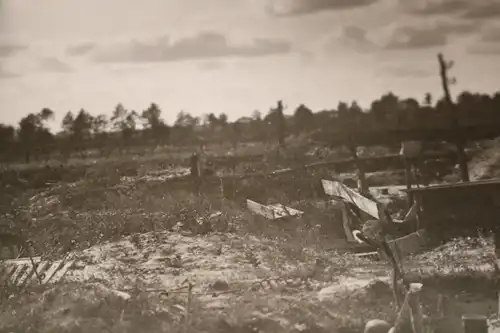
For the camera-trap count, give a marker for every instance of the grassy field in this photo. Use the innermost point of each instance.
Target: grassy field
(143, 240)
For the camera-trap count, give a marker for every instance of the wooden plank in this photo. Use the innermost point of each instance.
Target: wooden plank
(21, 260)
(41, 268)
(408, 244)
(22, 271)
(30, 274)
(260, 209)
(476, 183)
(26, 273)
(18, 272)
(281, 171)
(337, 189)
(284, 211)
(272, 211)
(51, 271)
(368, 255)
(61, 272)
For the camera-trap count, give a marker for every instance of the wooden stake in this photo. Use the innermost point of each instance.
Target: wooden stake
(410, 308)
(459, 141)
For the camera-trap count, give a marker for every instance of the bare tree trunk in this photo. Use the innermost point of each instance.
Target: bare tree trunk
(459, 140)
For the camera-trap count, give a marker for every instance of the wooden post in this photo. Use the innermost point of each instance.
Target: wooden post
(346, 221)
(418, 202)
(475, 324)
(416, 316)
(362, 186)
(410, 308)
(408, 180)
(459, 141)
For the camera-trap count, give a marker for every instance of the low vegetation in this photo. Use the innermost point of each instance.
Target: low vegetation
(152, 255)
(248, 273)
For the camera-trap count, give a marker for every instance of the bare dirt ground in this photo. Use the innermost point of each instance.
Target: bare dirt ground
(239, 285)
(141, 241)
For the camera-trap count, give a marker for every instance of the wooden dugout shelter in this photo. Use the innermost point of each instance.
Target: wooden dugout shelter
(458, 209)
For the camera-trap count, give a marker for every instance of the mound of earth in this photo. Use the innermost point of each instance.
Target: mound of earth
(211, 263)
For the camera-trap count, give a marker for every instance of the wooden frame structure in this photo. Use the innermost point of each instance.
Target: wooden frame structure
(457, 209)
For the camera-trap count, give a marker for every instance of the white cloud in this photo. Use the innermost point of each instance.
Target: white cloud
(204, 45)
(304, 7)
(53, 64)
(231, 71)
(5, 74)
(10, 49)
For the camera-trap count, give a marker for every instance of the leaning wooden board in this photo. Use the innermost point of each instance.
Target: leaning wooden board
(337, 189)
(260, 209)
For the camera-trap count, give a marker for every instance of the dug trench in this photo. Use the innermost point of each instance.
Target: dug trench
(247, 285)
(139, 247)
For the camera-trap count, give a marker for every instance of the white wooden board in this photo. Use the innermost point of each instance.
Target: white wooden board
(337, 189)
(21, 271)
(273, 211)
(284, 211)
(260, 209)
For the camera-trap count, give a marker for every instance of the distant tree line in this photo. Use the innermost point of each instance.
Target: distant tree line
(83, 132)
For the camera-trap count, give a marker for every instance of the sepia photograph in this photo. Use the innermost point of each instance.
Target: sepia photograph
(237, 166)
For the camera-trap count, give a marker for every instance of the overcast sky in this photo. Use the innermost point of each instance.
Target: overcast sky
(235, 56)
